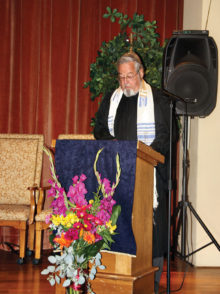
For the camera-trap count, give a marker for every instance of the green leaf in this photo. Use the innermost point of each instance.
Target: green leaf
(112, 18)
(51, 237)
(108, 9)
(118, 14)
(145, 42)
(91, 250)
(116, 210)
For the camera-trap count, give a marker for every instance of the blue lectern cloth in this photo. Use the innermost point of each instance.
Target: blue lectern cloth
(76, 157)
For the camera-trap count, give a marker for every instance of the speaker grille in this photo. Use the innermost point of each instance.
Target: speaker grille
(191, 71)
(190, 81)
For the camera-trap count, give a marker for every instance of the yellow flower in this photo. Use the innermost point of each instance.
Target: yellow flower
(69, 220)
(91, 201)
(110, 227)
(56, 220)
(66, 221)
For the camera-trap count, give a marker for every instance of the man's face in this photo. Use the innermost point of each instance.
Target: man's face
(129, 79)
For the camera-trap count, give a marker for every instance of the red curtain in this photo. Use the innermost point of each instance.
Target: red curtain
(46, 49)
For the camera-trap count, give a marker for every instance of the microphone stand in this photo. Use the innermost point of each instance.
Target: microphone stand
(173, 98)
(184, 203)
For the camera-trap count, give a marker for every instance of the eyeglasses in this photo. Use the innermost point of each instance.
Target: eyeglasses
(129, 77)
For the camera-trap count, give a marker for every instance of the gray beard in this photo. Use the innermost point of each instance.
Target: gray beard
(129, 92)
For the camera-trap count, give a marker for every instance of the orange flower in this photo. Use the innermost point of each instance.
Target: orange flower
(62, 241)
(89, 237)
(81, 233)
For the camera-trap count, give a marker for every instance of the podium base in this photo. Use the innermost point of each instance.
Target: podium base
(123, 284)
(106, 283)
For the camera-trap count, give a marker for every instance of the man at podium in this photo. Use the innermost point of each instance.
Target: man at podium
(136, 111)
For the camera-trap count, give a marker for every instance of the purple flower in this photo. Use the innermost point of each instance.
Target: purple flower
(103, 215)
(107, 186)
(58, 206)
(54, 189)
(76, 193)
(107, 203)
(105, 209)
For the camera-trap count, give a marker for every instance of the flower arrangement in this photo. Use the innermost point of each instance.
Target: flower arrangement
(80, 228)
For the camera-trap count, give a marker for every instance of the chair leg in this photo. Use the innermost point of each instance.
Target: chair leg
(22, 245)
(30, 239)
(38, 241)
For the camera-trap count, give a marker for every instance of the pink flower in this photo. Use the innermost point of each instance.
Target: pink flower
(47, 218)
(83, 177)
(72, 234)
(81, 213)
(77, 193)
(87, 225)
(54, 190)
(97, 237)
(103, 215)
(107, 186)
(75, 179)
(89, 217)
(59, 206)
(107, 203)
(77, 225)
(105, 209)
(97, 221)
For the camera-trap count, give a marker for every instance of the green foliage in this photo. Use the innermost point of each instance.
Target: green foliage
(103, 73)
(91, 251)
(115, 214)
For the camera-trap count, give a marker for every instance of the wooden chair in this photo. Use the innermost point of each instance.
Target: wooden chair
(40, 224)
(20, 175)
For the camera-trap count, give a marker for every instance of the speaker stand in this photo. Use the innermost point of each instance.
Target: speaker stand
(181, 209)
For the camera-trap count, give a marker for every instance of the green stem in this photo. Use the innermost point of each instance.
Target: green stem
(72, 291)
(47, 151)
(118, 173)
(94, 166)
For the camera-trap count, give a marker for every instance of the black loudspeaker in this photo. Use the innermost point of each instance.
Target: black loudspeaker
(190, 70)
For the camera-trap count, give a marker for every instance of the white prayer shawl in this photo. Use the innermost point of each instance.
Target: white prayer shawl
(145, 119)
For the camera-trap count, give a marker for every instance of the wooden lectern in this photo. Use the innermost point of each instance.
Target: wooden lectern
(128, 274)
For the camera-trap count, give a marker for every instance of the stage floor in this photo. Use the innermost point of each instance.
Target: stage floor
(27, 278)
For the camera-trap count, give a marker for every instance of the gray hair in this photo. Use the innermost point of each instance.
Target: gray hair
(130, 57)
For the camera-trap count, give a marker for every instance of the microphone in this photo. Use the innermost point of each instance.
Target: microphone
(177, 98)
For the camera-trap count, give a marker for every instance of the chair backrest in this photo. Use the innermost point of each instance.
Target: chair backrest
(20, 166)
(76, 137)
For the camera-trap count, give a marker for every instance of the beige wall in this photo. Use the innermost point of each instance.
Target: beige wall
(204, 149)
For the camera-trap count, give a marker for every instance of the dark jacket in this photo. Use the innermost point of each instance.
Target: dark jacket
(161, 144)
